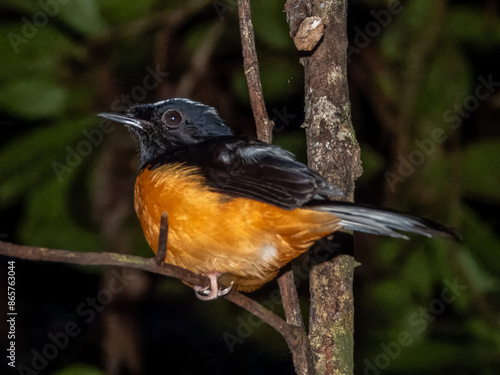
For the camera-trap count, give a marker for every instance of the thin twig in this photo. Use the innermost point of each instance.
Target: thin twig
(251, 65)
(100, 259)
(301, 350)
(162, 239)
(302, 353)
(292, 334)
(35, 253)
(290, 298)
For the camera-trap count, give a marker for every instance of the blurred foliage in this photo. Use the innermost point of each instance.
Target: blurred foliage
(79, 369)
(59, 70)
(482, 183)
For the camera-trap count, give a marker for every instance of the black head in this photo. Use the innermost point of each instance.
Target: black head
(170, 124)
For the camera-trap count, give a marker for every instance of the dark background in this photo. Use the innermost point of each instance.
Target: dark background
(423, 306)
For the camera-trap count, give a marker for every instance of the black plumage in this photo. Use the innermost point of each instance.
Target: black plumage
(245, 167)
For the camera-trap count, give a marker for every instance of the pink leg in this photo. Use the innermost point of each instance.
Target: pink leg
(211, 291)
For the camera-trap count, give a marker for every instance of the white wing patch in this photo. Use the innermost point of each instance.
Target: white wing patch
(268, 252)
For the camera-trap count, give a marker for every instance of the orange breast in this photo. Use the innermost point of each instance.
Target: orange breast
(246, 240)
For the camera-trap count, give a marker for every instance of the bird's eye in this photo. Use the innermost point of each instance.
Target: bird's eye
(172, 118)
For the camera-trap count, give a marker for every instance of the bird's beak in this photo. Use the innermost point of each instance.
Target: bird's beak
(123, 119)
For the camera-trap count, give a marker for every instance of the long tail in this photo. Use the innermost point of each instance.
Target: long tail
(383, 222)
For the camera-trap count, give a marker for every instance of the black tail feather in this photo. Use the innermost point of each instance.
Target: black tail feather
(383, 222)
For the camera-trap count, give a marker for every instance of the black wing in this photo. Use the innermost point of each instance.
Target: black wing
(244, 167)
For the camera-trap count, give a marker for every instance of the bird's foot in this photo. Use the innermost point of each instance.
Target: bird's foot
(212, 291)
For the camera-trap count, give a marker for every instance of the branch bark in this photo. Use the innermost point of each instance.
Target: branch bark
(334, 152)
(251, 65)
(301, 350)
(292, 335)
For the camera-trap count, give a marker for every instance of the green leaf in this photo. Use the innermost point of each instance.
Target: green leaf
(27, 7)
(393, 295)
(82, 15)
(404, 29)
(481, 240)
(48, 221)
(479, 278)
(417, 271)
(34, 155)
(437, 354)
(490, 337)
(469, 24)
(119, 11)
(447, 83)
(79, 369)
(436, 173)
(41, 55)
(481, 161)
(32, 70)
(387, 252)
(32, 99)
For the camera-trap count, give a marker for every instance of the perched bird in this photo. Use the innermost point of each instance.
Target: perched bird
(238, 209)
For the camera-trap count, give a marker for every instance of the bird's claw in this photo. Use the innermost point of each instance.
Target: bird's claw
(211, 291)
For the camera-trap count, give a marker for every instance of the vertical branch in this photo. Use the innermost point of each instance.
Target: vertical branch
(290, 299)
(334, 152)
(251, 66)
(332, 146)
(162, 239)
(301, 350)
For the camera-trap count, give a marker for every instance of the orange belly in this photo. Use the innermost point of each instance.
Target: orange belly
(246, 240)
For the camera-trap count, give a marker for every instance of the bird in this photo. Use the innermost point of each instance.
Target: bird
(239, 209)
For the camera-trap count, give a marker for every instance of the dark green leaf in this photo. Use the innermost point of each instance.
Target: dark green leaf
(33, 99)
(48, 221)
(79, 369)
(481, 161)
(82, 15)
(117, 11)
(469, 24)
(25, 161)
